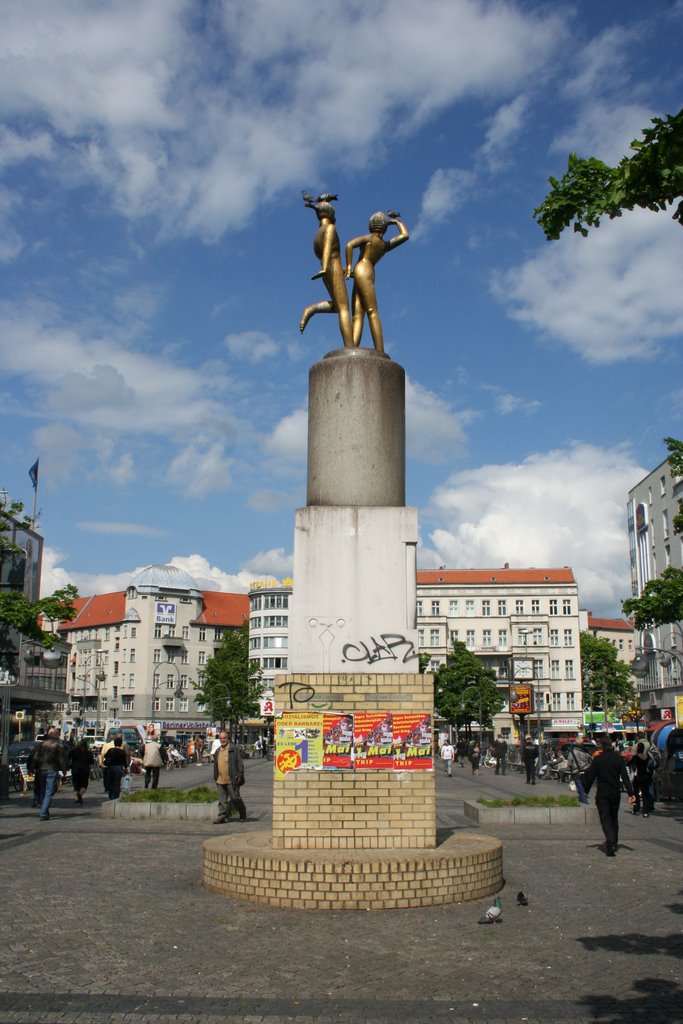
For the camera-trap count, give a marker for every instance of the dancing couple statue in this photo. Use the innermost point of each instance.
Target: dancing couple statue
(371, 248)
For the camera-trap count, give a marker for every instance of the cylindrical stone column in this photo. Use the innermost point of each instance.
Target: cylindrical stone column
(356, 430)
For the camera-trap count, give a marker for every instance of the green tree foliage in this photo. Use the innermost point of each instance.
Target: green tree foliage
(16, 611)
(458, 686)
(651, 179)
(660, 603)
(675, 460)
(605, 677)
(232, 683)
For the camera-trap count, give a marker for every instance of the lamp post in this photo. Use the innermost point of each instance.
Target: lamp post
(6, 681)
(92, 659)
(524, 633)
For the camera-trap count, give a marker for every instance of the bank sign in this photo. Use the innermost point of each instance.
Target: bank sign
(165, 612)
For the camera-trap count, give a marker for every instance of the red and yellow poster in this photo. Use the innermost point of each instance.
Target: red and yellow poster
(520, 699)
(337, 740)
(373, 739)
(298, 742)
(412, 741)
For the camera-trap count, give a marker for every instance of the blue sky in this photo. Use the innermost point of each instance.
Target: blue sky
(156, 256)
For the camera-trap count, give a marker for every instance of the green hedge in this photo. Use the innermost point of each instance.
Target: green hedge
(532, 801)
(200, 795)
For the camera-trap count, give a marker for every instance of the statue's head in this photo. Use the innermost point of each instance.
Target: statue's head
(379, 222)
(326, 210)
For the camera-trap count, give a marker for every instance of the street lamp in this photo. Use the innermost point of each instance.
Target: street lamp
(524, 633)
(92, 659)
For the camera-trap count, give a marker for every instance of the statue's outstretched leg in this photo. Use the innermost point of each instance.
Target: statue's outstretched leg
(318, 307)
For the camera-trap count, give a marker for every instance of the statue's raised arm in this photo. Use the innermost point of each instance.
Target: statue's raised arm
(372, 247)
(327, 248)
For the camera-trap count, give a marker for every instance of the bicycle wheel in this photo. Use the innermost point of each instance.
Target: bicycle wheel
(16, 777)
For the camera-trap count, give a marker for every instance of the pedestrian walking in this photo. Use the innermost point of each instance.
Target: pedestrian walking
(643, 770)
(475, 758)
(199, 749)
(228, 774)
(81, 760)
(50, 761)
(461, 751)
(152, 762)
(447, 756)
(529, 758)
(116, 761)
(500, 752)
(609, 770)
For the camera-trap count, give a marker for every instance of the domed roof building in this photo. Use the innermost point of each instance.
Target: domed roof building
(155, 579)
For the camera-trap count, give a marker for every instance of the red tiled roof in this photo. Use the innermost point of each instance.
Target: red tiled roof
(223, 609)
(613, 624)
(484, 576)
(100, 610)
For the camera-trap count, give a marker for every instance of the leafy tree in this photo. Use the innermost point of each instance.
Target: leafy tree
(660, 603)
(231, 685)
(651, 179)
(16, 611)
(675, 461)
(607, 681)
(460, 684)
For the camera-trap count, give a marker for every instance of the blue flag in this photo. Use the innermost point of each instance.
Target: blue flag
(33, 473)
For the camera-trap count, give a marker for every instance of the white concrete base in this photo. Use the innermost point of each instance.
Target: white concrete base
(355, 576)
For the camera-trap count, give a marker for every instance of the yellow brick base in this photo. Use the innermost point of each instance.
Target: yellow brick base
(466, 866)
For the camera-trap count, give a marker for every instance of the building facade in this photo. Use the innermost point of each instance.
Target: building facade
(524, 624)
(136, 654)
(653, 546)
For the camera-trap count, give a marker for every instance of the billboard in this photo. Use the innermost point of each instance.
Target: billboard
(165, 612)
(520, 699)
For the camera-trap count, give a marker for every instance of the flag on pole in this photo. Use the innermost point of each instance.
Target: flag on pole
(33, 473)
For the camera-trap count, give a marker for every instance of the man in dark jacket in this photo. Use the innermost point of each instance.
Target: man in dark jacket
(500, 752)
(50, 761)
(609, 769)
(228, 773)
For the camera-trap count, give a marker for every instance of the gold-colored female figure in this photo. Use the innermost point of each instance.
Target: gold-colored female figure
(327, 248)
(372, 248)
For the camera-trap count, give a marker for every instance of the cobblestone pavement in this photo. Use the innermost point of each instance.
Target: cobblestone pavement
(106, 921)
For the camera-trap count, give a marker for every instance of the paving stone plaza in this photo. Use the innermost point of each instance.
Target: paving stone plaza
(106, 920)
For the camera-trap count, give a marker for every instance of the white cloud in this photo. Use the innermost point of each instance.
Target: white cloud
(251, 345)
(612, 296)
(129, 91)
(11, 242)
(434, 433)
(276, 562)
(270, 501)
(15, 148)
(210, 577)
(603, 129)
(200, 468)
(290, 436)
(507, 404)
(603, 62)
(446, 192)
(557, 508)
(505, 124)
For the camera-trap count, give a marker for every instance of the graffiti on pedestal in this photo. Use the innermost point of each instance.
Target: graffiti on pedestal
(389, 647)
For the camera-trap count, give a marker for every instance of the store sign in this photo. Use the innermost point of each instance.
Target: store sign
(266, 706)
(165, 612)
(564, 723)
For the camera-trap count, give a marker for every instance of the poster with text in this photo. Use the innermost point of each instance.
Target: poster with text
(412, 741)
(373, 739)
(298, 742)
(520, 699)
(337, 740)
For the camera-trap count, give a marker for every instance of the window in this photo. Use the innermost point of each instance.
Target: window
(156, 704)
(453, 607)
(183, 682)
(157, 631)
(519, 607)
(171, 656)
(470, 638)
(106, 634)
(487, 640)
(538, 668)
(202, 632)
(103, 704)
(418, 607)
(275, 663)
(502, 607)
(270, 621)
(554, 637)
(454, 634)
(554, 669)
(569, 668)
(434, 637)
(553, 606)
(566, 606)
(420, 638)
(254, 643)
(469, 608)
(170, 681)
(537, 637)
(568, 638)
(169, 703)
(131, 680)
(276, 601)
(128, 702)
(255, 603)
(184, 704)
(117, 645)
(503, 639)
(557, 701)
(201, 658)
(156, 657)
(125, 632)
(170, 630)
(435, 608)
(486, 608)
(535, 606)
(184, 657)
(218, 634)
(255, 622)
(275, 641)
(185, 633)
(116, 668)
(133, 632)
(114, 692)
(662, 485)
(132, 655)
(570, 701)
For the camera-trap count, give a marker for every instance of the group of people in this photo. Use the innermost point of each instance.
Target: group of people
(470, 750)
